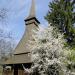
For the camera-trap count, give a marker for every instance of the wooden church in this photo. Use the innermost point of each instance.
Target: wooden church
(22, 55)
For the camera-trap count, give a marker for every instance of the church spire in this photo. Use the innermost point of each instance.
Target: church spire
(32, 14)
(32, 10)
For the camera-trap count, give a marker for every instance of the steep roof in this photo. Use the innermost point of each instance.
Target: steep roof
(31, 20)
(22, 47)
(22, 52)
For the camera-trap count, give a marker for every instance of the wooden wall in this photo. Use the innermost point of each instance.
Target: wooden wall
(20, 72)
(8, 72)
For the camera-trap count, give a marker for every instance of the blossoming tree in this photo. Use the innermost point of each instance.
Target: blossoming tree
(49, 54)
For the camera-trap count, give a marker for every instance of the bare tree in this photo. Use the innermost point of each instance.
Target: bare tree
(3, 15)
(6, 46)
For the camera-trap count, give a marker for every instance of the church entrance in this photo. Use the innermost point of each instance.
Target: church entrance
(18, 70)
(15, 72)
(15, 69)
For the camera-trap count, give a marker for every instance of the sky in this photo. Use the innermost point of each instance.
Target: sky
(17, 11)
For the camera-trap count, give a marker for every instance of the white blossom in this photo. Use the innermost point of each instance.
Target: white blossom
(49, 55)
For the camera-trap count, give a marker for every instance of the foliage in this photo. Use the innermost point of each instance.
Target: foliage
(49, 55)
(62, 15)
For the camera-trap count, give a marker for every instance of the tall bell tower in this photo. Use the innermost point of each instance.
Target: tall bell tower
(31, 23)
(32, 16)
(22, 53)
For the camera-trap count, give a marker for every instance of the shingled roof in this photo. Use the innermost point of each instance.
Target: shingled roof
(22, 52)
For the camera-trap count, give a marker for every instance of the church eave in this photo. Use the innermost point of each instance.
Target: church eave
(32, 18)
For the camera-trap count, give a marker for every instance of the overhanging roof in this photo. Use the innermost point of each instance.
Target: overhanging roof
(19, 59)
